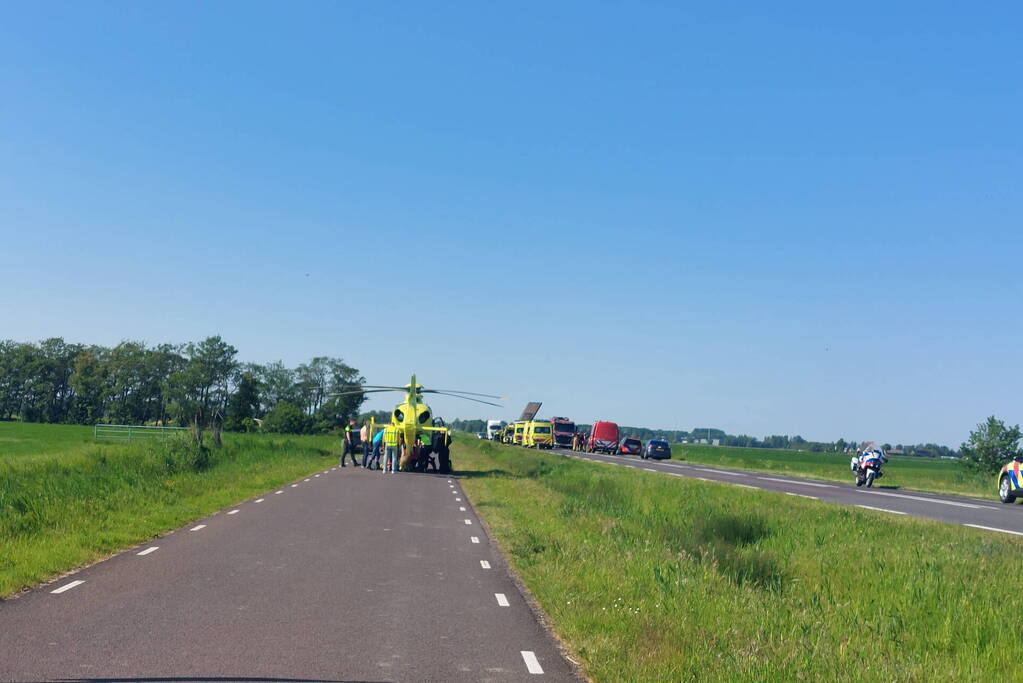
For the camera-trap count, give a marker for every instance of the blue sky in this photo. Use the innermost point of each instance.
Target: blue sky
(787, 219)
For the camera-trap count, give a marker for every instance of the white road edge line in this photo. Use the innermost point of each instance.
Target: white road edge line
(733, 474)
(532, 665)
(277, 493)
(801, 495)
(867, 507)
(927, 500)
(474, 539)
(67, 586)
(461, 509)
(991, 528)
(501, 600)
(747, 486)
(150, 549)
(468, 522)
(484, 564)
(196, 528)
(233, 512)
(260, 500)
(796, 482)
(294, 485)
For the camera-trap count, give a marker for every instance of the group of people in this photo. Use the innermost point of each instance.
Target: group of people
(390, 443)
(579, 441)
(390, 440)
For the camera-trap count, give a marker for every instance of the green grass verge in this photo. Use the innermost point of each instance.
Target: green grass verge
(904, 472)
(648, 577)
(66, 500)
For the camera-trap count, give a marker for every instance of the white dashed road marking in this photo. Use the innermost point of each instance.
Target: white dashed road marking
(294, 485)
(867, 507)
(484, 564)
(306, 480)
(532, 665)
(260, 500)
(317, 475)
(196, 528)
(458, 500)
(474, 539)
(148, 550)
(991, 528)
(468, 522)
(67, 586)
(789, 493)
(501, 600)
(277, 493)
(461, 509)
(233, 512)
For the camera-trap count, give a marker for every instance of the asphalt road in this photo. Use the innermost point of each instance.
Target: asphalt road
(349, 575)
(990, 515)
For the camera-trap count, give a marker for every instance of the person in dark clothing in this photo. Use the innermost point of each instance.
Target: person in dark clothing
(351, 443)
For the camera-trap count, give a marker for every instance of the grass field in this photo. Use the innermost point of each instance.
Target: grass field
(654, 578)
(922, 474)
(66, 500)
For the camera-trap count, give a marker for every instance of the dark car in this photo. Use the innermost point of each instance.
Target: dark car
(655, 448)
(630, 446)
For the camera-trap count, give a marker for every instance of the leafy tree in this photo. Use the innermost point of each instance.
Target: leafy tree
(287, 418)
(990, 446)
(243, 403)
(200, 389)
(90, 383)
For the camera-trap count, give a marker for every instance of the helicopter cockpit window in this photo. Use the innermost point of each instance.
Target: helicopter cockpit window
(398, 415)
(424, 416)
(438, 422)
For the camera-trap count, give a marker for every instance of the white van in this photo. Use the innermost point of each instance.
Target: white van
(494, 430)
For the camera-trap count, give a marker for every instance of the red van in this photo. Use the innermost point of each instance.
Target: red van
(603, 438)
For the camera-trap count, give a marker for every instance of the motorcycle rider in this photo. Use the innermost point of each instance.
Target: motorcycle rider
(870, 456)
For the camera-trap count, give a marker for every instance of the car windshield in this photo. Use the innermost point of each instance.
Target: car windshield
(632, 442)
(541, 430)
(564, 427)
(659, 444)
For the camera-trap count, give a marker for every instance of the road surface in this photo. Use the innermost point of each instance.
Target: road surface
(349, 575)
(990, 515)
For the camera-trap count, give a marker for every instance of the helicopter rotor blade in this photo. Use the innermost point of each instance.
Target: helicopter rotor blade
(455, 391)
(361, 391)
(444, 393)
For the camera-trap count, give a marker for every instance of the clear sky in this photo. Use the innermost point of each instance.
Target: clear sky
(766, 217)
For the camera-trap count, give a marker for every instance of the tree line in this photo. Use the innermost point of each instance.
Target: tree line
(196, 384)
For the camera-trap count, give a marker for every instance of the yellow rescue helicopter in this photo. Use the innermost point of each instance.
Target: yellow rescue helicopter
(413, 418)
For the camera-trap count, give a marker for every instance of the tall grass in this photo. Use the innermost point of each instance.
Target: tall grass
(651, 578)
(66, 507)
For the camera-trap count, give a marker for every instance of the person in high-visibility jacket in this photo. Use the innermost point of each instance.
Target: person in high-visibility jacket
(351, 442)
(392, 453)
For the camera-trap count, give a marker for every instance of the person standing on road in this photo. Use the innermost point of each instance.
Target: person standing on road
(376, 443)
(392, 453)
(364, 440)
(351, 443)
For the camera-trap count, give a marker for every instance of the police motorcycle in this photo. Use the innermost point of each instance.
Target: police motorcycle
(867, 466)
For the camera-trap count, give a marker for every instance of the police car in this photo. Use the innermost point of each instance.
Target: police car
(1010, 482)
